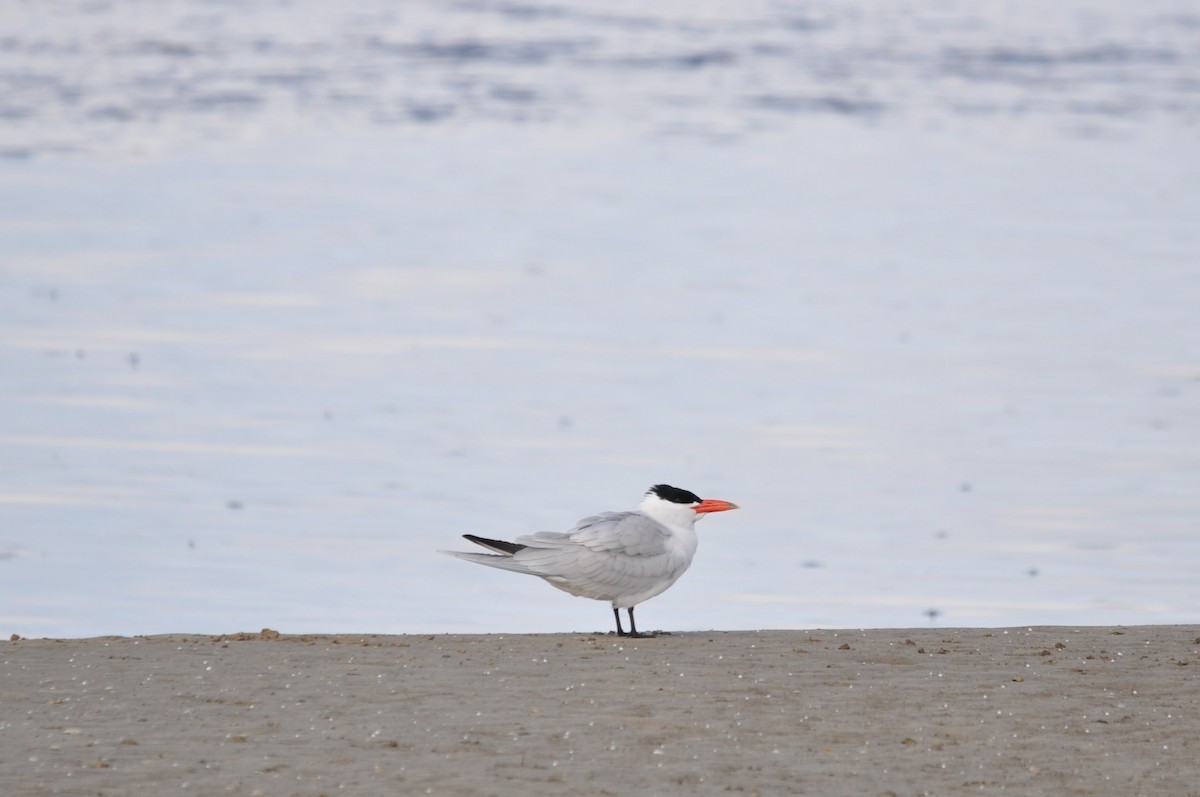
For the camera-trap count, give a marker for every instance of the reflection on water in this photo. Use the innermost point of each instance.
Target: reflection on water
(293, 295)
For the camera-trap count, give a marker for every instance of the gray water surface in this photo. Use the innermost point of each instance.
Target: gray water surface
(292, 296)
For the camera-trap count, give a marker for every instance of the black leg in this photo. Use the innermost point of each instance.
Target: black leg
(633, 632)
(633, 627)
(617, 614)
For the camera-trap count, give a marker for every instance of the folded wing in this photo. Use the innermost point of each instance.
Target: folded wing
(614, 556)
(608, 556)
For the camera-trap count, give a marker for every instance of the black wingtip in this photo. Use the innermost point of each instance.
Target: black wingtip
(495, 545)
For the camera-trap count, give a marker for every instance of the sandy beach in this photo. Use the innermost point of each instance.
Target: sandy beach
(1095, 710)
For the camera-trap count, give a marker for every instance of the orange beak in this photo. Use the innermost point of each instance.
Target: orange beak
(713, 505)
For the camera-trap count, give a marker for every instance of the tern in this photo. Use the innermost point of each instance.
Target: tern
(620, 557)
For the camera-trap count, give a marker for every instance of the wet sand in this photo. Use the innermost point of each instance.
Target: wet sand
(1062, 711)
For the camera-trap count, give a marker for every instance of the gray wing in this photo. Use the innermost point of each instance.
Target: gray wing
(623, 533)
(605, 556)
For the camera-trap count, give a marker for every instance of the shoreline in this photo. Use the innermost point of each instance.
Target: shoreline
(1061, 710)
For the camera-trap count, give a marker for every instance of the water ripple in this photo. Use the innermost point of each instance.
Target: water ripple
(87, 74)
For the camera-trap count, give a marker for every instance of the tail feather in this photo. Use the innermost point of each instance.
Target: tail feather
(504, 562)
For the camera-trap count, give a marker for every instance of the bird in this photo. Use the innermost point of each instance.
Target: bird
(624, 558)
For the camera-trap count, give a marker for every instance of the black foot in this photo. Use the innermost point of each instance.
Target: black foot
(633, 632)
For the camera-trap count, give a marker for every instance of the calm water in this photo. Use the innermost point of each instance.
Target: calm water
(292, 296)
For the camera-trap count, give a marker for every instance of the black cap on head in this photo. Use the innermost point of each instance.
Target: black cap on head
(674, 494)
